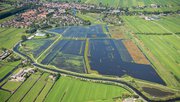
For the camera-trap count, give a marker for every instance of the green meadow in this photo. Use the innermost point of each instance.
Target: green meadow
(69, 89)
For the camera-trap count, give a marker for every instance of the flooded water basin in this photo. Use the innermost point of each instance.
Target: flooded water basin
(105, 58)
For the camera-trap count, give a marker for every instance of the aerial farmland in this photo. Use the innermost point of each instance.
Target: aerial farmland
(89, 51)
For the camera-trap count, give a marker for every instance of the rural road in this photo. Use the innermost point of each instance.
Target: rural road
(15, 49)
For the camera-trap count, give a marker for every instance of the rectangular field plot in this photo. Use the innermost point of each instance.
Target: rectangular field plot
(53, 51)
(72, 90)
(117, 32)
(36, 89)
(10, 36)
(45, 91)
(125, 56)
(68, 55)
(11, 85)
(69, 62)
(25, 87)
(105, 58)
(4, 95)
(6, 68)
(170, 23)
(95, 31)
(36, 46)
(135, 52)
(166, 49)
(139, 25)
(75, 47)
(58, 30)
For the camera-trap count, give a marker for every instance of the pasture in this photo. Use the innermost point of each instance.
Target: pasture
(40, 87)
(4, 95)
(70, 90)
(10, 35)
(127, 3)
(35, 88)
(7, 67)
(165, 49)
(36, 46)
(139, 25)
(165, 25)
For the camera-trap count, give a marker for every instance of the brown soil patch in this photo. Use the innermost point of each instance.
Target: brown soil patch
(116, 32)
(135, 52)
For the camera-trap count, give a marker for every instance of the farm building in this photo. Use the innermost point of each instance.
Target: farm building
(38, 33)
(20, 76)
(4, 55)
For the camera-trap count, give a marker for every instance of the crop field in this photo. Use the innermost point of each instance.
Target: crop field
(69, 62)
(125, 55)
(128, 3)
(40, 87)
(58, 30)
(166, 50)
(83, 32)
(4, 95)
(36, 46)
(117, 32)
(35, 88)
(163, 26)
(136, 24)
(74, 47)
(73, 90)
(105, 58)
(170, 23)
(68, 55)
(7, 67)
(11, 85)
(25, 87)
(134, 51)
(10, 35)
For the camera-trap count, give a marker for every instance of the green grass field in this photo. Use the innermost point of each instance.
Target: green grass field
(72, 90)
(45, 91)
(36, 89)
(166, 49)
(6, 67)
(4, 95)
(10, 36)
(139, 25)
(11, 85)
(169, 24)
(127, 3)
(25, 87)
